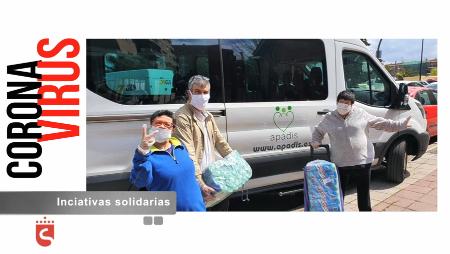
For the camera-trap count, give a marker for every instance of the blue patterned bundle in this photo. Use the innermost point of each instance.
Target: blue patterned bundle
(228, 174)
(322, 189)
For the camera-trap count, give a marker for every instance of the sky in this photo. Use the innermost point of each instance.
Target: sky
(401, 50)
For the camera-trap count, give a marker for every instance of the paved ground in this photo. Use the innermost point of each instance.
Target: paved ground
(418, 192)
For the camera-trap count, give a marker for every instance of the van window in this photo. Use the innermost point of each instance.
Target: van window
(274, 70)
(365, 80)
(134, 72)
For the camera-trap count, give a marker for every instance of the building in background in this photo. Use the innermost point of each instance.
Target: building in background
(400, 70)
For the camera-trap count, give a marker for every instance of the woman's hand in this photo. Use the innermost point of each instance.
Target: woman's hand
(315, 144)
(406, 123)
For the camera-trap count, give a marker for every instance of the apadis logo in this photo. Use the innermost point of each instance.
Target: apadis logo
(283, 117)
(45, 232)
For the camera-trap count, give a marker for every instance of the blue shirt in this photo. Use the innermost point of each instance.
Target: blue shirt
(162, 171)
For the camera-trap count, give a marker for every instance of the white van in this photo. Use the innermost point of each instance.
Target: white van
(266, 96)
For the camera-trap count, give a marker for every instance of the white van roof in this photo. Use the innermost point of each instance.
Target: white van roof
(356, 42)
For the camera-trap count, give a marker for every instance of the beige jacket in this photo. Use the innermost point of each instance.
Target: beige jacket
(188, 130)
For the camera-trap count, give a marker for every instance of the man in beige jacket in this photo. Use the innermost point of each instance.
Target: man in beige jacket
(198, 130)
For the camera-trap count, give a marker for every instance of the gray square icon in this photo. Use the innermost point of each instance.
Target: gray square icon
(148, 220)
(158, 220)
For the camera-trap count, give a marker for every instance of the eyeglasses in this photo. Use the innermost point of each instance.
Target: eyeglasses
(163, 124)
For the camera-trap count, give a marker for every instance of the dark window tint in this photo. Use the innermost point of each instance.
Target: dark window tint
(142, 71)
(363, 78)
(274, 70)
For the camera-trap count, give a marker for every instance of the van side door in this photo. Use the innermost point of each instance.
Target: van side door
(276, 91)
(374, 89)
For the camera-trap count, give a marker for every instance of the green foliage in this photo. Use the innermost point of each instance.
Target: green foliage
(402, 74)
(433, 71)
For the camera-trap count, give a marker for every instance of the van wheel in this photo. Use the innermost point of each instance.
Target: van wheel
(397, 161)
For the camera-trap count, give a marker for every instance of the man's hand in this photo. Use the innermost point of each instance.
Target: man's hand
(207, 192)
(147, 140)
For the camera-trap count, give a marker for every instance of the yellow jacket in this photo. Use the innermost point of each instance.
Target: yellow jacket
(188, 130)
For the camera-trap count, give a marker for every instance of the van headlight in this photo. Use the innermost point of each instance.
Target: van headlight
(424, 115)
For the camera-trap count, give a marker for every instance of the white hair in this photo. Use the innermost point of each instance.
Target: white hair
(198, 80)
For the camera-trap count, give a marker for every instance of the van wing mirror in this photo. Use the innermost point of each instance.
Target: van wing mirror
(403, 94)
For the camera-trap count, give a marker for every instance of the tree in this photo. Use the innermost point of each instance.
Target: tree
(402, 74)
(433, 71)
(390, 69)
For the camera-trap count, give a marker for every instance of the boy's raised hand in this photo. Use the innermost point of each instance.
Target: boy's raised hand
(147, 140)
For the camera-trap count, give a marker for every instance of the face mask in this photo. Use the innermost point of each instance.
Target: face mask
(343, 108)
(199, 101)
(162, 135)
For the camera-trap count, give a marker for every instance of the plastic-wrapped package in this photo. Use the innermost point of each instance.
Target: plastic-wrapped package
(226, 176)
(322, 189)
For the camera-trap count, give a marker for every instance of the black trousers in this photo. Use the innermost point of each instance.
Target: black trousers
(361, 175)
